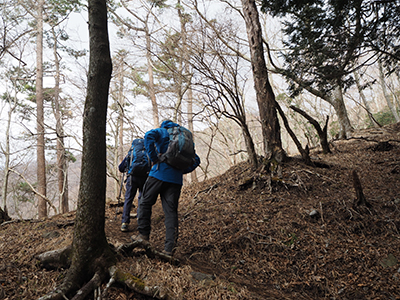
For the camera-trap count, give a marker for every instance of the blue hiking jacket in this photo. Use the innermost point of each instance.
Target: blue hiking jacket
(156, 141)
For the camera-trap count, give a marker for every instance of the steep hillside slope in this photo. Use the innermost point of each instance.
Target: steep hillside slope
(299, 236)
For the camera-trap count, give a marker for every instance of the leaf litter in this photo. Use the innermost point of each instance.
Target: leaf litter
(245, 236)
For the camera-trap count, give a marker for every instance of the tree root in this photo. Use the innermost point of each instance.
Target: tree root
(126, 249)
(116, 276)
(135, 284)
(89, 287)
(56, 259)
(61, 258)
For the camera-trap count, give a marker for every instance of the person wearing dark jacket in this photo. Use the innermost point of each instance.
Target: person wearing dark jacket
(134, 182)
(163, 180)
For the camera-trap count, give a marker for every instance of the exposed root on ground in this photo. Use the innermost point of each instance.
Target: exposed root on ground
(60, 258)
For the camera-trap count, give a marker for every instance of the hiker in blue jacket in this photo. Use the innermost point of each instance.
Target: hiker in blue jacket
(134, 182)
(163, 180)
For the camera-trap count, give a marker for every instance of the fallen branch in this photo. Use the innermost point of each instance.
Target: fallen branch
(319, 175)
(207, 191)
(322, 212)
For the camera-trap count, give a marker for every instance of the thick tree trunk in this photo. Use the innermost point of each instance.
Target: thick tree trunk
(41, 161)
(265, 95)
(91, 254)
(89, 243)
(4, 216)
(338, 104)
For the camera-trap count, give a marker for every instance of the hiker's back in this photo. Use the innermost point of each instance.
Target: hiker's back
(139, 162)
(180, 153)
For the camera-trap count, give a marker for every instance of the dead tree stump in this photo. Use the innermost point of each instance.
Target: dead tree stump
(360, 198)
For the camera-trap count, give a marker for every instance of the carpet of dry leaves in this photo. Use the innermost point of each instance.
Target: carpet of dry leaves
(245, 236)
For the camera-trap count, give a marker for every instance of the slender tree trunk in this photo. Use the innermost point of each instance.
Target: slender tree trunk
(386, 94)
(265, 95)
(191, 127)
(41, 162)
(6, 153)
(119, 141)
(179, 91)
(189, 94)
(62, 170)
(251, 151)
(364, 100)
(322, 133)
(152, 92)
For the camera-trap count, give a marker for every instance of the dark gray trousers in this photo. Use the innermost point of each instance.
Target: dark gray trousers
(133, 183)
(169, 194)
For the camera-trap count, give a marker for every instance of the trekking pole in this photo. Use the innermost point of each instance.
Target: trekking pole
(119, 195)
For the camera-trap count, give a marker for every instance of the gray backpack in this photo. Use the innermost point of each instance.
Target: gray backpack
(180, 153)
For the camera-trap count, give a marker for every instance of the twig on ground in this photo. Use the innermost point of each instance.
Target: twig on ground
(322, 213)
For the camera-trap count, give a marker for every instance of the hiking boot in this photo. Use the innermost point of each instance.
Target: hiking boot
(140, 237)
(169, 253)
(124, 227)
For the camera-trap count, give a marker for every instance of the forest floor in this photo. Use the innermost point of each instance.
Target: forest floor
(244, 236)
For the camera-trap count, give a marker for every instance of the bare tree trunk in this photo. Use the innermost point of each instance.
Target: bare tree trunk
(322, 133)
(265, 95)
(62, 171)
(305, 153)
(193, 174)
(189, 94)
(6, 175)
(177, 118)
(386, 94)
(341, 111)
(249, 145)
(41, 161)
(364, 99)
(152, 91)
(119, 140)
(6, 153)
